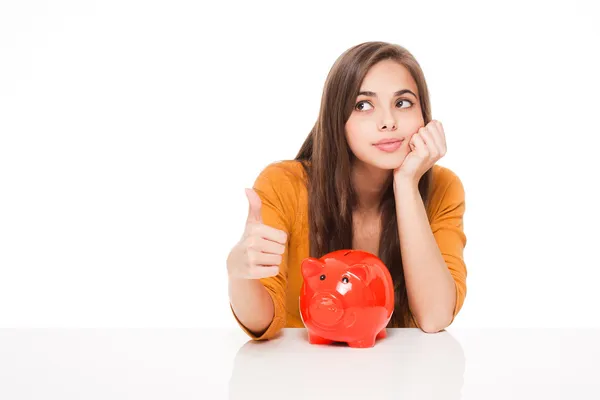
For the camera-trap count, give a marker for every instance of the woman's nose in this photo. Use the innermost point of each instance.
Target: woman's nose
(388, 125)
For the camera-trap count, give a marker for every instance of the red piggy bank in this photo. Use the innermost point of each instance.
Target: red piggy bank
(346, 296)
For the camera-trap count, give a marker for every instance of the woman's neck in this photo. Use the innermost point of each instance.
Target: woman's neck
(369, 184)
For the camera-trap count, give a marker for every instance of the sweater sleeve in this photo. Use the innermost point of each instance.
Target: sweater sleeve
(447, 228)
(273, 190)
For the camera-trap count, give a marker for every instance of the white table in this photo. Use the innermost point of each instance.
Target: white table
(224, 364)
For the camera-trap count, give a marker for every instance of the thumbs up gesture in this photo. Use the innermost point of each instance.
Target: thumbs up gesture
(255, 207)
(258, 254)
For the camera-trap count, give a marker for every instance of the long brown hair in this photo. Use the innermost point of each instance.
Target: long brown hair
(327, 160)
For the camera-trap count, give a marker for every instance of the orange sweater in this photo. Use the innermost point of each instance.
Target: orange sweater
(282, 189)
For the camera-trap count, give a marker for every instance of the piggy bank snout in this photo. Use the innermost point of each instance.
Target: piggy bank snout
(326, 308)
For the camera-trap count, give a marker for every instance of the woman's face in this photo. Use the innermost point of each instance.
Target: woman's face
(383, 114)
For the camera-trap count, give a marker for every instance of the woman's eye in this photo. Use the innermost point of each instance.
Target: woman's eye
(359, 103)
(365, 102)
(405, 101)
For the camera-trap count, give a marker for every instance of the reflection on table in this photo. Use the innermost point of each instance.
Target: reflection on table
(407, 364)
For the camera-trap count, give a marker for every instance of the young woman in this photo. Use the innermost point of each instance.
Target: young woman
(364, 179)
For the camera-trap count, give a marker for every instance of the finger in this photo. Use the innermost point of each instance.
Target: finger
(259, 258)
(268, 246)
(438, 136)
(269, 233)
(431, 140)
(261, 271)
(442, 136)
(419, 145)
(254, 206)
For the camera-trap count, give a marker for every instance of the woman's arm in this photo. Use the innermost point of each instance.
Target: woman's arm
(259, 305)
(251, 304)
(434, 270)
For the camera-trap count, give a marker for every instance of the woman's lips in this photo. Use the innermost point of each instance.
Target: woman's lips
(390, 146)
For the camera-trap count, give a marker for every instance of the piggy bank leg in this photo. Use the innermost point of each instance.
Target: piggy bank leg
(314, 339)
(362, 343)
(382, 334)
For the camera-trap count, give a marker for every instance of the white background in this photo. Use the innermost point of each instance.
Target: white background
(129, 130)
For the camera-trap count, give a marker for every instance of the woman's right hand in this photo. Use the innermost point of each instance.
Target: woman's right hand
(258, 254)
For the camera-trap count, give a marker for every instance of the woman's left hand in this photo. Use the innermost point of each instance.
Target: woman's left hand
(427, 146)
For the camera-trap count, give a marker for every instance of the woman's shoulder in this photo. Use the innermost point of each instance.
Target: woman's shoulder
(280, 185)
(446, 187)
(443, 176)
(285, 172)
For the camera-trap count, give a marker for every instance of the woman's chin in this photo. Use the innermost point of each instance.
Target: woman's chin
(387, 164)
(384, 161)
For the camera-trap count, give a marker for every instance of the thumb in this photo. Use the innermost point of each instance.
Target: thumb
(255, 205)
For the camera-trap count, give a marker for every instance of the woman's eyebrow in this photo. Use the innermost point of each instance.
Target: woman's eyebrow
(398, 93)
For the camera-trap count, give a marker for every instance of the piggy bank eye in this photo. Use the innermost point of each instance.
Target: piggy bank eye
(322, 277)
(345, 279)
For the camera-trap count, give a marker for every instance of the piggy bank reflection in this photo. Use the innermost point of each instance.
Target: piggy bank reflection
(346, 296)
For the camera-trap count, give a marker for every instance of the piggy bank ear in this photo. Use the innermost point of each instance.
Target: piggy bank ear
(311, 266)
(362, 272)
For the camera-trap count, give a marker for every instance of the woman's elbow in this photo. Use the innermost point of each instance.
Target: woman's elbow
(434, 326)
